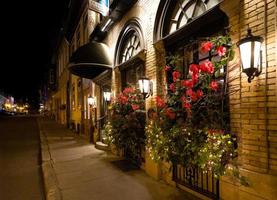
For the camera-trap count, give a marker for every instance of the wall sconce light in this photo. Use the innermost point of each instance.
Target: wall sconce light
(91, 101)
(107, 96)
(251, 55)
(145, 86)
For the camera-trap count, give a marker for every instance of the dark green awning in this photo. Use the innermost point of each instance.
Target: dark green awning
(90, 60)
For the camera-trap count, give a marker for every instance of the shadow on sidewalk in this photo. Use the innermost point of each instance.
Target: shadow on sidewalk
(125, 165)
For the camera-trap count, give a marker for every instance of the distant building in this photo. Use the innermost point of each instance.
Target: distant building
(3, 99)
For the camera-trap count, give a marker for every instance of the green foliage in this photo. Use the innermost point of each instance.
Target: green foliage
(125, 128)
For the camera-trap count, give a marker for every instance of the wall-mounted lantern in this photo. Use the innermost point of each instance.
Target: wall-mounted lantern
(91, 101)
(251, 55)
(145, 86)
(107, 96)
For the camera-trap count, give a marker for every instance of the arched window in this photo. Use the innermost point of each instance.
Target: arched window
(174, 15)
(187, 11)
(130, 47)
(130, 54)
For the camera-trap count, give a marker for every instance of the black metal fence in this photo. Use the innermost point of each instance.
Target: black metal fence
(195, 179)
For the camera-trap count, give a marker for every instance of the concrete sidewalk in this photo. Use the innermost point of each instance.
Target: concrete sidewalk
(74, 170)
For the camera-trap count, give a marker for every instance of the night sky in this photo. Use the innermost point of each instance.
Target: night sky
(29, 31)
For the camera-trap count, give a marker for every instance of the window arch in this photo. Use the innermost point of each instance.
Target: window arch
(130, 42)
(174, 15)
(130, 53)
(130, 47)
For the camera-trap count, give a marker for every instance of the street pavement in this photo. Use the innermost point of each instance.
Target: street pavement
(20, 172)
(74, 170)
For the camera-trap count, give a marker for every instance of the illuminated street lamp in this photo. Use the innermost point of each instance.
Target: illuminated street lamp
(91, 101)
(107, 96)
(250, 53)
(145, 86)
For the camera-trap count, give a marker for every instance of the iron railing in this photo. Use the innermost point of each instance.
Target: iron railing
(194, 178)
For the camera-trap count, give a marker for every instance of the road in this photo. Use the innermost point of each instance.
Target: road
(20, 170)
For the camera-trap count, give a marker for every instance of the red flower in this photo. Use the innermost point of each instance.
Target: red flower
(186, 105)
(123, 99)
(160, 102)
(167, 68)
(191, 94)
(221, 50)
(193, 97)
(214, 85)
(183, 98)
(187, 84)
(170, 113)
(206, 47)
(199, 93)
(176, 75)
(207, 67)
(128, 90)
(172, 87)
(195, 78)
(194, 68)
(135, 107)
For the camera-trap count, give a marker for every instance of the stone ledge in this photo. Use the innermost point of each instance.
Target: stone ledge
(101, 146)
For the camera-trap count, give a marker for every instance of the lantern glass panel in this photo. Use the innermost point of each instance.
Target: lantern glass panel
(245, 52)
(107, 96)
(144, 85)
(257, 49)
(91, 101)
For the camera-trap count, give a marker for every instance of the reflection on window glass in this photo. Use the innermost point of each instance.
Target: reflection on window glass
(131, 75)
(130, 47)
(186, 11)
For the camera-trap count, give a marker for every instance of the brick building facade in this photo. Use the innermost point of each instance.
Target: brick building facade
(253, 106)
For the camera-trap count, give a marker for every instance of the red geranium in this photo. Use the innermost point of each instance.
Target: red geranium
(176, 75)
(186, 105)
(191, 94)
(172, 87)
(195, 78)
(123, 99)
(135, 107)
(221, 50)
(187, 84)
(167, 68)
(128, 90)
(214, 85)
(207, 67)
(194, 68)
(160, 102)
(206, 47)
(170, 113)
(199, 93)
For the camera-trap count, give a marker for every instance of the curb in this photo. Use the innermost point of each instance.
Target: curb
(52, 191)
